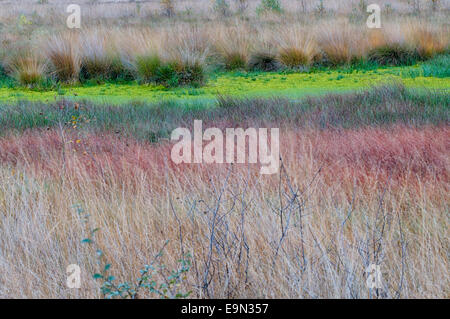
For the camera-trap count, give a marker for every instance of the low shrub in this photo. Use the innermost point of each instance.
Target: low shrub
(104, 68)
(263, 61)
(174, 74)
(192, 74)
(395, 54)
(147, 67)
(167, 75)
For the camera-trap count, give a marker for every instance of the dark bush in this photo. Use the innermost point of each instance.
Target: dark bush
(263, 62)
(393, 55)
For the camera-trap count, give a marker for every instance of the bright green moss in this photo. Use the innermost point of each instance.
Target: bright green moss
(293, 85)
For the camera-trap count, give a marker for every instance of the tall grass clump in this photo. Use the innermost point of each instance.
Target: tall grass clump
(427, 40)
(296, 48)
(63, 53)
(341, 43)
(28, 68)
(148, 66)
(390, 47)
(393, 54)
(233, 45)
(100, 58)
(437, 67)
(264, 56)
(186, 55)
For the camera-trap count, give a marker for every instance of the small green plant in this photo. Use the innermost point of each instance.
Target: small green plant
(153, 279)
(269, 6)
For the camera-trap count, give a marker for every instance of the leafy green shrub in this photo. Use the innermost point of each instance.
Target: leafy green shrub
(175, 74)
(146, 282)
(395, 54)
(192, 74)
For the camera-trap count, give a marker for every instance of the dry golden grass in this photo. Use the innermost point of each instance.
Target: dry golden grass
(297, 47)
(63, 53)
(295, 37)
(234, 45)
(27, 67)
(309, 232)
(428, 39)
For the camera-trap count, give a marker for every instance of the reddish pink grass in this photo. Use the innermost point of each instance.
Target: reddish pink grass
(384, 153)
(360, 155)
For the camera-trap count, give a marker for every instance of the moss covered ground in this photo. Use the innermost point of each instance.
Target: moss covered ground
(238, 84)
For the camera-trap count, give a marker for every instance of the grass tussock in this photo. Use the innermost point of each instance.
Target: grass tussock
(110, 53)
(428, 40)
(341, 44)
(63, 52)
(234, 45)
(296, 48)
(100, 58)
(28, 68)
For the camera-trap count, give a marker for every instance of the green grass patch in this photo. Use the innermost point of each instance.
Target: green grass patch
(150, 121)
(238, 84)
